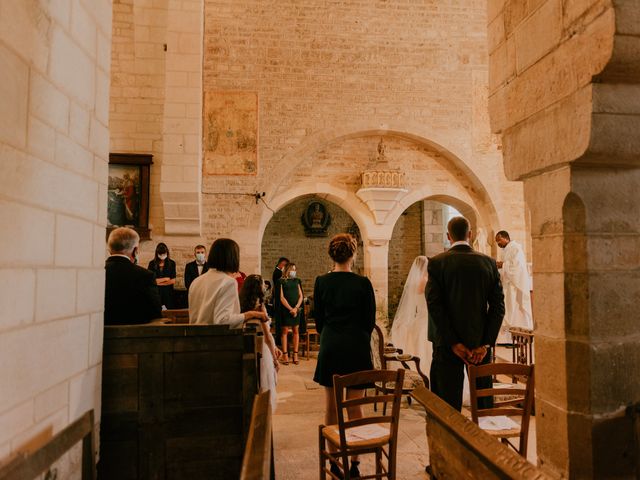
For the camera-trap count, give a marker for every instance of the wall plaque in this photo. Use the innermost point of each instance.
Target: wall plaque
(230, 127)
(316, 220)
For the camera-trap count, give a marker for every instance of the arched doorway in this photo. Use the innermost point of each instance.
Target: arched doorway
(420, 230)
(285, 236)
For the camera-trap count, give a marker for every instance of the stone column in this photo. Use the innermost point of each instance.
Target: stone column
(376, 260)
(564, 89)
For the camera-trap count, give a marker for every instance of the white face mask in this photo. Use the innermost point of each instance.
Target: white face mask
(162, 256)
(200, 257)
(292, 274)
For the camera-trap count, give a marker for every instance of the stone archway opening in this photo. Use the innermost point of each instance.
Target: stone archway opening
(285, 236)
(420, 230)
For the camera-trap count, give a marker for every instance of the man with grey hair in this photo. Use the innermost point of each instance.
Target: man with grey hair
(131, 295)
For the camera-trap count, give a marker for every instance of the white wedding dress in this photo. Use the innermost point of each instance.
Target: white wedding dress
(409, 329)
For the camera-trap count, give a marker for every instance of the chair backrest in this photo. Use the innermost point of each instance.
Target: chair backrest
(519, 399)
(377, 349)
(522, 351)
(369, 377)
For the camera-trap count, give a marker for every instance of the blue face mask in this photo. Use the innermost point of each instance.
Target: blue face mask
(200, 257)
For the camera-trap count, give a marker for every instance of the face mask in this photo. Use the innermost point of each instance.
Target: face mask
(200, 257)
(162, 256)
(135, 258)
(292, 274)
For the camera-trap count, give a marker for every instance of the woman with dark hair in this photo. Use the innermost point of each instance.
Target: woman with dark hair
(345, 313)
(290, 312)
(213, 296)
(165, 270)
(252, 298)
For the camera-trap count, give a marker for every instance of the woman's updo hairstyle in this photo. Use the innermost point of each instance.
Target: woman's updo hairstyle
(342, 247)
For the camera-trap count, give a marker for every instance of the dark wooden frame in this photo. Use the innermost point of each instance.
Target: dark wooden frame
(257, 462)
(28, 466)
(144, 162)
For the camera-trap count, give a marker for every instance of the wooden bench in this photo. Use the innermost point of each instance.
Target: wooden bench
(257, 463)
(176, 401)
(180, 315)
(458, 448)
(30, 465)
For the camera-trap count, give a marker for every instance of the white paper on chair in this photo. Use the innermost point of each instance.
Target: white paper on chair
(365, 432)
(500, 422)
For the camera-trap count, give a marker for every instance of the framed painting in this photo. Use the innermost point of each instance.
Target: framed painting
(128, 192)
(230, 131)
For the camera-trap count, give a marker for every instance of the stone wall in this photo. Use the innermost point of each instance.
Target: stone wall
(54, 144)
(285, 237)
(156, 103)
(331, 79)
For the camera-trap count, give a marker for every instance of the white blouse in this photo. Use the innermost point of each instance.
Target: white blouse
(213, 300)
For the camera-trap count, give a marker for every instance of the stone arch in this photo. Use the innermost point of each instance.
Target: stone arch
(341, 197)
(435, 141)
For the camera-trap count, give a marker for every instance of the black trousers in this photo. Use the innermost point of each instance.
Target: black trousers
(447, 377)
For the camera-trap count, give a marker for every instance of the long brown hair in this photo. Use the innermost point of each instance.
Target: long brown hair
(251, 293)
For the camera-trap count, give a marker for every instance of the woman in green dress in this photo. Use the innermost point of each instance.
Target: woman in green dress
(291, 311)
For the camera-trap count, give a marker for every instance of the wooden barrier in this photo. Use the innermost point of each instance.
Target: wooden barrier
(257, 460)
(176, 401)
(29, 466)
(458, 448)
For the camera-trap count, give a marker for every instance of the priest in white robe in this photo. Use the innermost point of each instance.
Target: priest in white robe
(516, 284)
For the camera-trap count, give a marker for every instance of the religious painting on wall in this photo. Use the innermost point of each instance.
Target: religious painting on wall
(128, 192)
(230, 140)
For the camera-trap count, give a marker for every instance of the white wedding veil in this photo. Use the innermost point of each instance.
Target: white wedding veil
(410, 320)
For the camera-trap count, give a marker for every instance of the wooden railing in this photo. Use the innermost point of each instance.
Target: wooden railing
(29, 466)
(458, 448)
(257, 460)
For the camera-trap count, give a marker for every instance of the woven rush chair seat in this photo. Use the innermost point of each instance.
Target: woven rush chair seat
(359, 437)
(412, 380)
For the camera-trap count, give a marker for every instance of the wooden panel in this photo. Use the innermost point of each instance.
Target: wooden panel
(175, 401)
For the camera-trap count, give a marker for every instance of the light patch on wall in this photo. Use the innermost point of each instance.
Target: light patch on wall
(230, 140)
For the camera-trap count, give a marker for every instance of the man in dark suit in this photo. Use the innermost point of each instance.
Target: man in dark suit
(466, 308)
(196, 268)
(131, 294)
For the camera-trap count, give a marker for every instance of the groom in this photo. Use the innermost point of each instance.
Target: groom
(466, 307)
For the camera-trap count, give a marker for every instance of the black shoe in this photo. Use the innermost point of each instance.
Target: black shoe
(336, 470)
(353, 471)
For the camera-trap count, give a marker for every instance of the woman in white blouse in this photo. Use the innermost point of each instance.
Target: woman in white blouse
(213, 296)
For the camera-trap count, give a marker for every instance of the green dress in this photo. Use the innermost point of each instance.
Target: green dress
(292, 294)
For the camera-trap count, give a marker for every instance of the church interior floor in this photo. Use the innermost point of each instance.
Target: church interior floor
(301, 409)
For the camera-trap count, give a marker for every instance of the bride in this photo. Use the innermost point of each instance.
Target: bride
(409, 329)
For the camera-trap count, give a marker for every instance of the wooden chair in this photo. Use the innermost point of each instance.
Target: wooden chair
(522, 345)
(517, 402)
(383, 355)
(364, 435)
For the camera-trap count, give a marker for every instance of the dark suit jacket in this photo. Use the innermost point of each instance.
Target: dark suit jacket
(131, 294)
(465, 299)
(191, 272)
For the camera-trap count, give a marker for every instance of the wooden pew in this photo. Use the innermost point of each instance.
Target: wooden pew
(29, 466)
(258, 454)
(458, 448)
(176, 401)
(180, 315)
